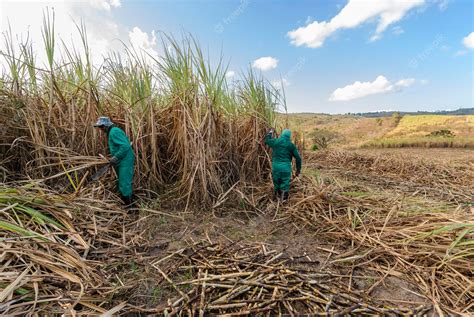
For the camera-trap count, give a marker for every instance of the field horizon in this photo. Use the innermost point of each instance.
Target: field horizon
(459, 111)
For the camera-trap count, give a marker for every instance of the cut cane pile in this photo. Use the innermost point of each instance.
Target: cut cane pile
(243, 280)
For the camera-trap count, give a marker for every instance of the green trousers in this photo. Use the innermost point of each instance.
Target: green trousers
(281, 180)
(125, 179)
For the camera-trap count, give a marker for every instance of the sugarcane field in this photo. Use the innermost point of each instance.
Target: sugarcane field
(196, 158)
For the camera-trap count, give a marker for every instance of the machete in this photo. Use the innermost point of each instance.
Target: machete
(100, 172)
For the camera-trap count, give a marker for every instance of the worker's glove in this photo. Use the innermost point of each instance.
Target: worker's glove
(297, 173)
(113, 161)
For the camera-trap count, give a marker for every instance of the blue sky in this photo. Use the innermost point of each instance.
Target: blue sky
(333, 56)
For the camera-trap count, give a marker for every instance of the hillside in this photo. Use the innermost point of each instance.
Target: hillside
(394, 131)
(419, 126)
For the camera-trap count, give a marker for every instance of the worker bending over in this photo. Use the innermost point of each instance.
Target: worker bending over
(122, 159)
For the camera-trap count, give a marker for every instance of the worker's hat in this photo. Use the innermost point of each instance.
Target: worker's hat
(103, 122)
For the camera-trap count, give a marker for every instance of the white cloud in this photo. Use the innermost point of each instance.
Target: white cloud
(362, 89)
(468, 41)
(355, 13)
(143, 42)
(230, 74)
(405, 82)
(97, 15)
(265, 63)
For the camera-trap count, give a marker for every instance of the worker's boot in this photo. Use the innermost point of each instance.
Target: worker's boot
(127, 201)
(284, 196)
(276, 195)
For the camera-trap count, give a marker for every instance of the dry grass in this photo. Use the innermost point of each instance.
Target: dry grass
(54, 249)
(416, 126)
(432, 248)
(428, 154)
(86, 246)
(354, 131)
(452, 182)
(421, 142)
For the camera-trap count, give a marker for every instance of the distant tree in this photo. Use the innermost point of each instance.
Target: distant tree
(396, 117)
(443, 133)
(322, 138)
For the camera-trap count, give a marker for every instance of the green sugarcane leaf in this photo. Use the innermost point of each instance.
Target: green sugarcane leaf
(39, 217)
(458, 240)
(21, 231)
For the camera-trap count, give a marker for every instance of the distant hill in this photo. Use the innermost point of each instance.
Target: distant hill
(379, 114)
(411, 129)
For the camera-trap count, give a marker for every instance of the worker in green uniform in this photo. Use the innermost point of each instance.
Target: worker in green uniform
(283, 151)
(122, 159)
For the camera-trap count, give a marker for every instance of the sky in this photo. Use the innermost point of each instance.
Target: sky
(331, 56)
